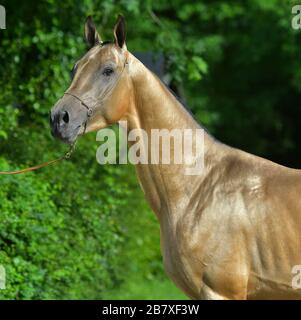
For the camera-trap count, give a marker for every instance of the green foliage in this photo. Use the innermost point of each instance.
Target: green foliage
(138, 288)
(56, 239)
(79, 230)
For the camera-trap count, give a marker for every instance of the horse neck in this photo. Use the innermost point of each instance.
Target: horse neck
(166, 187)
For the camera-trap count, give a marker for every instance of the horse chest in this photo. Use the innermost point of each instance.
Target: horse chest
(178, 263)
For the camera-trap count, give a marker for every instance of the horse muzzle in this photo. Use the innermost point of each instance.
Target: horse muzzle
(67, 118)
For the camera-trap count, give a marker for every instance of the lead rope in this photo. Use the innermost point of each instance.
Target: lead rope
(66, 156)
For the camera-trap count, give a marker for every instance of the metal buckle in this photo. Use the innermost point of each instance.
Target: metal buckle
(89, 113)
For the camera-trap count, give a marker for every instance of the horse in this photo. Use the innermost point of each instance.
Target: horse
(233, 231)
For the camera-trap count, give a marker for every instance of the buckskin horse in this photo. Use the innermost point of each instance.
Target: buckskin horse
(231, 232)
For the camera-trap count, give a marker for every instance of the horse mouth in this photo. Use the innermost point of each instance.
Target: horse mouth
(68, 136)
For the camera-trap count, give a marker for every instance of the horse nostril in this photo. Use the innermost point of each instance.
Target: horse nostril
(66, 117)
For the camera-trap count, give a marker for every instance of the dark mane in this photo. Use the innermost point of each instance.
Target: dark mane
(105, 43)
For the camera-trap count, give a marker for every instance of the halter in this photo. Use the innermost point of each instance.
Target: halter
(89, 109)
(68, 154)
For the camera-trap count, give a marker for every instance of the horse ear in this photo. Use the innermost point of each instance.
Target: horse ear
(91, 35)
(119, 31)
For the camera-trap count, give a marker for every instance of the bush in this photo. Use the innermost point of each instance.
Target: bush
(57, 241)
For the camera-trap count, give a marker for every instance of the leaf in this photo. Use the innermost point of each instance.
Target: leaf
(200, 64)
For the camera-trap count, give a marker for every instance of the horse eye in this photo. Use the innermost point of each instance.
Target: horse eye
(107, 72)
